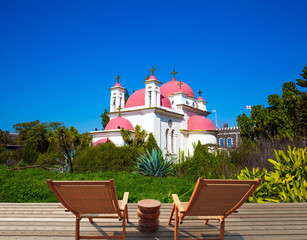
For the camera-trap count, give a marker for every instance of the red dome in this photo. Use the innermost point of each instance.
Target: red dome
(117, 85)
(173, 87)
(118, 123)
(138, 99)
(152, 77)
(102, 141)
(199, 123)
(200, 99)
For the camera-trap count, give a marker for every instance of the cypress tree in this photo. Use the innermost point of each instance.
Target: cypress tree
(151, 143)
(30, 153)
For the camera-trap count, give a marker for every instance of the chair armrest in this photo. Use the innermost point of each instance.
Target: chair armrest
(124, 201)
(178, 203)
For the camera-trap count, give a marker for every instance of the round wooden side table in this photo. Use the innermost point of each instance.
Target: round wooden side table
(148, 212)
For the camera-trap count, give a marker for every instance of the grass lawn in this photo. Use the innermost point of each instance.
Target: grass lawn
(29, 185)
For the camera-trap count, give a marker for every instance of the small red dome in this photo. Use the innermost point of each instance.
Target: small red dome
(199, 123)
(102, 141)
(118, 123)
(200, 99)
(117, 85)
(172, 87)
(152, 77)
(138, 99)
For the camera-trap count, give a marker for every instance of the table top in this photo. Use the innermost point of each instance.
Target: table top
(149, 203)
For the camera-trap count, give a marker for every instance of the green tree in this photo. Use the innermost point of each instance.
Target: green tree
(69, 142)
(126, 96)
(303, 107)
(279, 120)
(139, 136)
(126, 134)
(104, 119)
(30, 154)
(5, 137)
(151, 143)
(37, 132)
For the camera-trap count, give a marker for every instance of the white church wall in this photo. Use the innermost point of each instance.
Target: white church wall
(117, 140)
(204, 138)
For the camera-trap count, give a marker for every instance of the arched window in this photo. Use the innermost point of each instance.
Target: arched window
(229, 142)
(221, 142)
(166, 139)
(172, 141)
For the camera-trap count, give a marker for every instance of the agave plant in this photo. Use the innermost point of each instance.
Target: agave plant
(154, 164)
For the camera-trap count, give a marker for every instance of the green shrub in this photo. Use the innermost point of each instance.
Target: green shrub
(287, 183)
(266, 192)
(151, 143)
(30, 153)
(154, 164)
(208, 163)
(106, 157)
(47, 159)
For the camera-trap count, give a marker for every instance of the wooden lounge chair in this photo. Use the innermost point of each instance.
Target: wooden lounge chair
(212, 200)
(91, 199)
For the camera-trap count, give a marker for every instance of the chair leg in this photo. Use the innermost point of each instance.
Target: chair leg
(124, 225)
(206, 221)
(171, 215)
(176, 224)
(222, 228)
(126, 209)
(78, 228)
(91, 220)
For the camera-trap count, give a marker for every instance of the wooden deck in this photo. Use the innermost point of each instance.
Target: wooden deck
(46, 221)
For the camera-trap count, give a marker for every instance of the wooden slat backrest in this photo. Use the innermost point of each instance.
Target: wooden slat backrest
(87, 197)
(219, 197)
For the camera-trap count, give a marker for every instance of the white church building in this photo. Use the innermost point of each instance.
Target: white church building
(170, 111)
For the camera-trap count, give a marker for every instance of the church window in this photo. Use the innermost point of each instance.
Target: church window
(229, 142)
(114, 101)
(172, 102)
(221, 142)
(166, 139)
(193, 104)
(187, 102)
(149, 98)
(172, 141)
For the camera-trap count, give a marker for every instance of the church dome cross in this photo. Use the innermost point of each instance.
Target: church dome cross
(117, 78)
(179, 84)
(174, 73)
(152, 70)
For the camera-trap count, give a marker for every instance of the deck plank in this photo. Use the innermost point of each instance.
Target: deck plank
(47, 221)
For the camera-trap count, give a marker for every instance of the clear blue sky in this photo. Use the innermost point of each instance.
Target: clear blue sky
(58, 59)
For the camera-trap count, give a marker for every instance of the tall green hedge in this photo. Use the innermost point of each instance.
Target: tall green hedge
(106, 157)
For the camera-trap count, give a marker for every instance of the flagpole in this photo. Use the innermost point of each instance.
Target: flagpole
(215, 118)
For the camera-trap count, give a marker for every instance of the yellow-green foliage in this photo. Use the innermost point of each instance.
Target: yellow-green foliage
(291, 174)
(287, 183)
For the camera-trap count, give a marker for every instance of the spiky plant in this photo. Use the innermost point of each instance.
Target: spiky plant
(154, 164)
